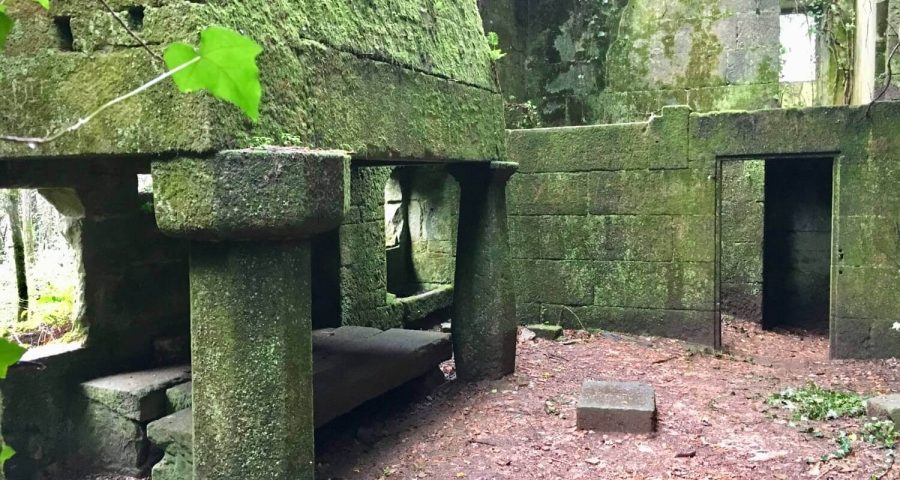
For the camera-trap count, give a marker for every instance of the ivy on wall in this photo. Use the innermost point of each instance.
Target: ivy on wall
(567, 55)
(834, 22)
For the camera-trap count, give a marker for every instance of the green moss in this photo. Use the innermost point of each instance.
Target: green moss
(252, 194)
(254, 299)
(326, 70)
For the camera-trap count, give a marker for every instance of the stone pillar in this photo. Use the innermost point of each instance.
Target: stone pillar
(484, 308)
(250, 215)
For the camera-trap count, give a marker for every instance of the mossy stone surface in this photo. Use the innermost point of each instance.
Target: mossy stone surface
(252, 360)
(547, 332)
(584, 267)
(252, 194)
(408, 80)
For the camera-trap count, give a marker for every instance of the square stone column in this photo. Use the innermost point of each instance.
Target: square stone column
(249, 215)
(484, 308)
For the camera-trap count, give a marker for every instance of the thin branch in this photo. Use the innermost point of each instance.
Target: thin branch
(135, 36)
(889, 73)
(33, 142)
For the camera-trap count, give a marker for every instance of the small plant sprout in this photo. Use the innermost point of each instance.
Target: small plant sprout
(496, 53)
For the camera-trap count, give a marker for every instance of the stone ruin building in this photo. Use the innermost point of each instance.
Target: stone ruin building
(682, 172)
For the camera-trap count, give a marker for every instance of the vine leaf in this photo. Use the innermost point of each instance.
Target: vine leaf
(6, 24)
(10, 353)
(225, 65)
(6, 452)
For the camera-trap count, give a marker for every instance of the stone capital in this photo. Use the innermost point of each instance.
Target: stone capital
(253, 194)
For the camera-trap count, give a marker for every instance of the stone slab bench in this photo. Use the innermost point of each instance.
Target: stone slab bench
(140, 396)
(112, 429)
(351, 365)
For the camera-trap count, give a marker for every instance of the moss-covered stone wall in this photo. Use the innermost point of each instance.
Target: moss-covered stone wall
(742, 205)
(385, 79)
(424, 257)
(364, 292)
(622, 60)
(614, 226)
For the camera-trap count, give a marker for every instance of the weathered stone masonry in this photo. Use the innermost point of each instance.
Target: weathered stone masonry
(626, 216)
(392, 82)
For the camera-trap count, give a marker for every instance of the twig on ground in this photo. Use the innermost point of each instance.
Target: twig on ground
(667, 359)
(576, 317)
(558, 357)
(482, 442)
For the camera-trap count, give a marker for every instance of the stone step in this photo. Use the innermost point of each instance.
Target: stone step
(626, 407)
(351, 365)
(112, 429)
(139, 396)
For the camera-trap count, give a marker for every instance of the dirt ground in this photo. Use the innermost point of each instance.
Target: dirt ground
(714, 422)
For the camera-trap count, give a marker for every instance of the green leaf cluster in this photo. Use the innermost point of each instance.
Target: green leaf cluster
(882, 432)
(812, 402)
(845, 446)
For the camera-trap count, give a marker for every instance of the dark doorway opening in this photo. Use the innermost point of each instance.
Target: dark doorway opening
(797, 244)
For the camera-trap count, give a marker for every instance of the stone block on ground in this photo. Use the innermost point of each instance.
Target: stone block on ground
(625, 407)
(547, 332)
(885, 406)
(139, 396)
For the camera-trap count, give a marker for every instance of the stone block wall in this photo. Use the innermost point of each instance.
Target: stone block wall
(363, 261)
(615, 226)
(742, 215)
(131, 296)
(622, 60)
(610, 228)
(383, 286)
(326, 67)
(425, 259)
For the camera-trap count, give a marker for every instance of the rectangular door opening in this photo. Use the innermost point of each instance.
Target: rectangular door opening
(797, 244)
